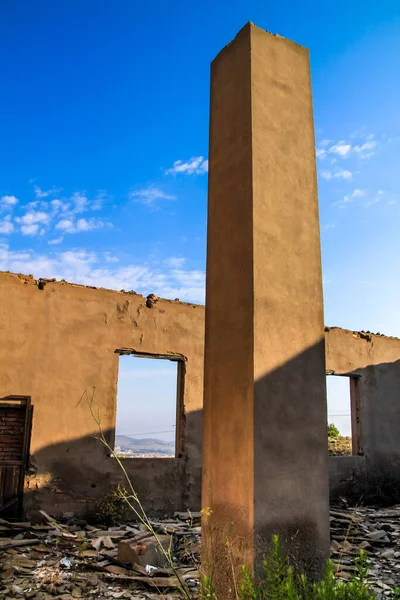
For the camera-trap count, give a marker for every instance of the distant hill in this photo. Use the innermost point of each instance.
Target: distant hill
(145, 446)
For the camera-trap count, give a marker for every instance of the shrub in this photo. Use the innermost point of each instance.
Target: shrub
(333, 431)
(281, 582)
(109, 510)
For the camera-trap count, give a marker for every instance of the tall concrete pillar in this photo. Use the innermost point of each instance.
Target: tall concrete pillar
(265, 458)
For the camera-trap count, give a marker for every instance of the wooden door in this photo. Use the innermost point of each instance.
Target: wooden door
(15, 433)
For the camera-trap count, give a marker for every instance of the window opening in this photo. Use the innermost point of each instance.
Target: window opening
(344, 430)
(149, 406)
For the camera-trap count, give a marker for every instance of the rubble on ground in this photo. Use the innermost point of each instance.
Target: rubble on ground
(375, 530)
(70, 558)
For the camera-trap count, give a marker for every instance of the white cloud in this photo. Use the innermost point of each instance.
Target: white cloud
(341, 174)
(344, 174)
(197, 165)
(365, 150)
(85, 225)
(100, 198)
(383, 197)
(358, 193)
(71, 226)
(175, 263)
(55, 241)
(341, 148)
(79, 201)
(6, 226)
(39, 193)
(355, 194)
(34, 217)
(150, 195)
(89, 224)
(110, 258)
(60, 205)
(32, 229)
(66, 213)
(8, 201)
(90, 268)
(65, 225)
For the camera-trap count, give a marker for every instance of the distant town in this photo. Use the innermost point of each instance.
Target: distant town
(129, 447)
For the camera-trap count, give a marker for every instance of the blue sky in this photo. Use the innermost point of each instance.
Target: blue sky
(143, 385)
(101, 100)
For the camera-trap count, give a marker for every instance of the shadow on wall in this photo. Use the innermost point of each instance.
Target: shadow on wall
(276, 483)
(290, 459)
(373, 478)
(294, 436)
(71, 474)
(67, 473)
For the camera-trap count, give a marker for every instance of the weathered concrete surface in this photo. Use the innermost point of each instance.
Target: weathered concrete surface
(58, 343)
(265, 463)
(67, 452)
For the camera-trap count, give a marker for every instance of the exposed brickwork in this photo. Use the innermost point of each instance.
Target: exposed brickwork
(12, 423)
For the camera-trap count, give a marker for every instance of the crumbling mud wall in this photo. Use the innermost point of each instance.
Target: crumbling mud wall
(58, 344)
(374, 360)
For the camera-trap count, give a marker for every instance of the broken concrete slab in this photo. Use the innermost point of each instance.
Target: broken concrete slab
(146, 551)
(64, 566)
(94, 574)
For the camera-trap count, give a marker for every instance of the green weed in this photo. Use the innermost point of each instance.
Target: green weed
(279, 581)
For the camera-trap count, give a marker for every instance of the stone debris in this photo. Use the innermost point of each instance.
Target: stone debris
(69, 559)
(375, 530)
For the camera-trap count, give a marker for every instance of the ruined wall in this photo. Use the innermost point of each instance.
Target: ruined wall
(376, 360)
(58, 340)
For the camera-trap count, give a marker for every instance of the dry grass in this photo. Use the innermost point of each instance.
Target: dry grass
(340, 446)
